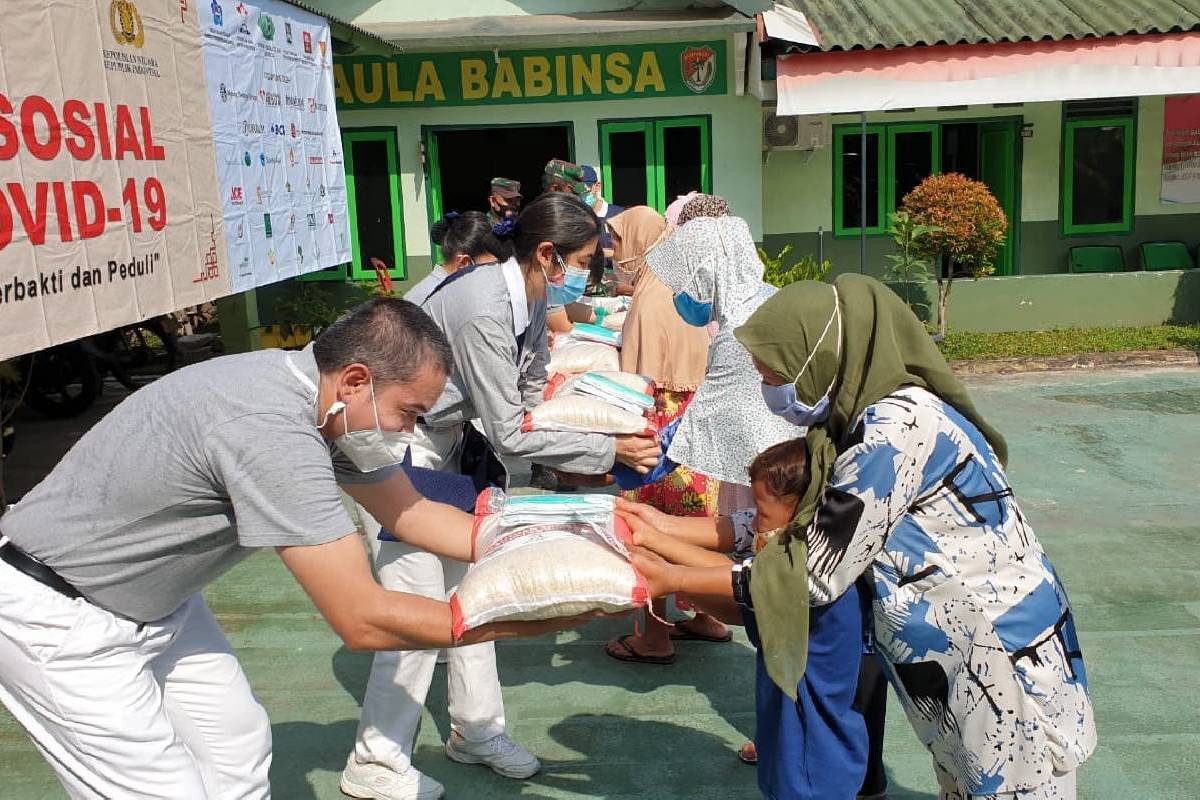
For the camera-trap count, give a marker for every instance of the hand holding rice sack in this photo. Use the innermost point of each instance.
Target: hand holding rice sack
(540, 557)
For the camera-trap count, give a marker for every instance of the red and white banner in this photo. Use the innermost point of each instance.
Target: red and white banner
(1181, 150)
(112, 209)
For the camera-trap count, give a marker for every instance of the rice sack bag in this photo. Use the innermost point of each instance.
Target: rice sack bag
(586, 332)
(574, 357)
(611, 305)
(561, 385)
(581, 414)
(615, 322)
(545, 556)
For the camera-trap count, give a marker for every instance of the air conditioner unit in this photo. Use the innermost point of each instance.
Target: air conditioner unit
(794, 132)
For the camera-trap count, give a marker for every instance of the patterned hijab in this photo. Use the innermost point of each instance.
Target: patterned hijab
(703, 205)
(727, 423)
(656, 342)
(878, 347)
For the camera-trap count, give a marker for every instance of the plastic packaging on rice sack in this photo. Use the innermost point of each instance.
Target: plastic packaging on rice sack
(586, 332)
(615, 322)
(582, 414)
(565, 384)
(612, 305)
(546, 556)
(572, 358)
(593, 384)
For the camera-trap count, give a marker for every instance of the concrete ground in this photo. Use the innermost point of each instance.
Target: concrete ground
(1104, 464)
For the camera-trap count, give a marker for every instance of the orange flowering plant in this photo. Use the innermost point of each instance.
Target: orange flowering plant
(968, 229)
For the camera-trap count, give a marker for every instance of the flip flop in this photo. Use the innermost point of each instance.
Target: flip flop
(744, 754)
(632, 656)
(680, 633)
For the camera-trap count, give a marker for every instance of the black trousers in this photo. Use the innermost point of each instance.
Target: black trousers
(872, 702)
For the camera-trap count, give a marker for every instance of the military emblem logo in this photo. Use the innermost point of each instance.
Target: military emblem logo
(698, 66)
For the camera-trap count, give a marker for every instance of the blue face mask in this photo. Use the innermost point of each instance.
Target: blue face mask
(782, 400)
(590, 199)
(692, 310)
(572, 287)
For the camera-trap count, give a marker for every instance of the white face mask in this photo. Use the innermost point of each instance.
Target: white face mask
(373, 448)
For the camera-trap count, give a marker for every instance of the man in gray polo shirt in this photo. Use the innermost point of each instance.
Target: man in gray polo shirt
(109, 656)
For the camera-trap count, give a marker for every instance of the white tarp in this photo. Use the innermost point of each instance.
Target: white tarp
(111, 207)
(1014, 72)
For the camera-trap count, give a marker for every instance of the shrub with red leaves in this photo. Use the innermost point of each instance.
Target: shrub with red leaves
(971, 225)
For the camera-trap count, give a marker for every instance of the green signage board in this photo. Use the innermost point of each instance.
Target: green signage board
(531, 76)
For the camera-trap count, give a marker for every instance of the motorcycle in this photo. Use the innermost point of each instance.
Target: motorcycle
(65, 380)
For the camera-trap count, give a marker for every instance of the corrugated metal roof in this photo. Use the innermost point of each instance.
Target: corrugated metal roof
(865, 24)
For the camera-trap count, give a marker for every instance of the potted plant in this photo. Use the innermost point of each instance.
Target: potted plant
(967, 229)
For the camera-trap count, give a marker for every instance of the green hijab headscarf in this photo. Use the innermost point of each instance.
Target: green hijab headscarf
(883, 347)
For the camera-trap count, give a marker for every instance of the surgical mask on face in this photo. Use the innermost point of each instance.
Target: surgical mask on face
(782, 400)
(373, 448)
(692, 310)
(566, 287)
(590, 200)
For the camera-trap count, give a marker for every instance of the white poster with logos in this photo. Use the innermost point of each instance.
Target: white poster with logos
(156, 155)
(278, 147)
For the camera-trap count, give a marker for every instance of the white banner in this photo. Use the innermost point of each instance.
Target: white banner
(117, 195)
(278, 148)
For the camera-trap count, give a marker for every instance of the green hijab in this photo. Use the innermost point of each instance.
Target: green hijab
(883, 348)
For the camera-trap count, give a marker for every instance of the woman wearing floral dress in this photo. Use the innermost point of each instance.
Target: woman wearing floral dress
(658, 344)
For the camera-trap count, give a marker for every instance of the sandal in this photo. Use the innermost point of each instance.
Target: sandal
(748, 754)
(681, 633)
(627, 653)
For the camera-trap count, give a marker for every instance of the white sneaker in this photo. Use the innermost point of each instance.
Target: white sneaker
(502, 754)
(377, 782)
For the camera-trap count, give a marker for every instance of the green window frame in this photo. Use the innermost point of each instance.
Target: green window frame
(359, 269)
(887, 199)
(842, 134)
(654, 133)
(1125, 224)
(934, 130)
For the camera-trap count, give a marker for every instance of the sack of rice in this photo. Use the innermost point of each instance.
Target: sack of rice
(615, 322)
(575, 357)
(582, 414)
(611, 305)
(586, 332)
(561, 385)
(546, 556)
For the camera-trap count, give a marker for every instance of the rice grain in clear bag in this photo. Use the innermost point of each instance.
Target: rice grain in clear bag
(552, 568)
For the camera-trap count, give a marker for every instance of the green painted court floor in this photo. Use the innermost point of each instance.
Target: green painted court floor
(1105, 465)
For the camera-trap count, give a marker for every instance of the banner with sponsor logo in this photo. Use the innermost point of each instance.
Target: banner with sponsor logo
(1181, 150)
(532, 76)
(115, 198)
(278, 149)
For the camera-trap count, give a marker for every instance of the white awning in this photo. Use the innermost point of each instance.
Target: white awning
(1011, 72)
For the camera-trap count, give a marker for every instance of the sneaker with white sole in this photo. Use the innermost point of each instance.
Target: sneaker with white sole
(377, 782)
(503, 755)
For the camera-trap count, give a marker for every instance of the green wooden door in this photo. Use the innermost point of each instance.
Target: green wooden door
(998, 169)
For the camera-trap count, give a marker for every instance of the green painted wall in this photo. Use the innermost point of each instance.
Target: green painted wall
(1043, 302)
(797, 203)
(798, 194)
(737, 166)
